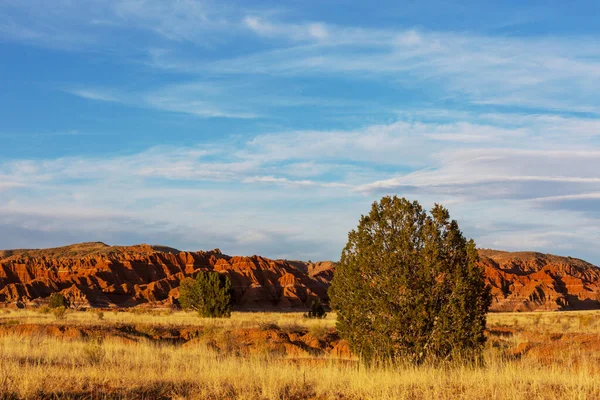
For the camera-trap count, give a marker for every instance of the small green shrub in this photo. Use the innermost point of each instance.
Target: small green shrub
(58, 300)
(316, 310)
(210, 294)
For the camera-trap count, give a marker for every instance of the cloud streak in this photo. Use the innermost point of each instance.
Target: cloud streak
(178, 99)
(545, 73)
(304, 32)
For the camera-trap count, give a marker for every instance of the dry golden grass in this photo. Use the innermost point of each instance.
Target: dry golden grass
(95, 367)
(165, 317)
(549, 322)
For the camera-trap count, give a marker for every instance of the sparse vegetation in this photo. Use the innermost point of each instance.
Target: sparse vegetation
(408, 287)
(210, 294)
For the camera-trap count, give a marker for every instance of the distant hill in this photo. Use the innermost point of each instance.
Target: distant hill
(96, 274)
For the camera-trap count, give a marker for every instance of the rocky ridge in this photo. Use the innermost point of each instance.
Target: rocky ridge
(98, 275)
(528, 281)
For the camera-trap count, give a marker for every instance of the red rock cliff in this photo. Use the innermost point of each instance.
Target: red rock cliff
(526, 281)
(99, 275)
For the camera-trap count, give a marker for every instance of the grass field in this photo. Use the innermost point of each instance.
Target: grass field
(130, 355)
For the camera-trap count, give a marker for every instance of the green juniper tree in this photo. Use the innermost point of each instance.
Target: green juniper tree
(210, 294)
(408, 287)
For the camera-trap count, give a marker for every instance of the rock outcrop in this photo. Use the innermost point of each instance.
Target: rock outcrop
(527, 281)
(98, 275)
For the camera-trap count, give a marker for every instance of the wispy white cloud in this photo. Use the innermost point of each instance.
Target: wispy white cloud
(179, 20)
(552, 73)
(10, 185)
(294, 182)
(94, 94)
(97, 25)
(500, 175)
(203, 102)
(439, 154)
(157, 192)
(400, 143)
(309, 31)
(579, 196)
(203, 99)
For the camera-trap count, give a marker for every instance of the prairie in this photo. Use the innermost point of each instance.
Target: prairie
(163, 354)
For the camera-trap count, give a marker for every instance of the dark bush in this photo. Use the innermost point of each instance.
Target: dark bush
(316, 310)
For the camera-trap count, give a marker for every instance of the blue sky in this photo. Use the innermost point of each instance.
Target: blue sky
(270, 127)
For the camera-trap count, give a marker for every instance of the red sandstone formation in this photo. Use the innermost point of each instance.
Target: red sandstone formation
(527, 281)
(94, 274)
